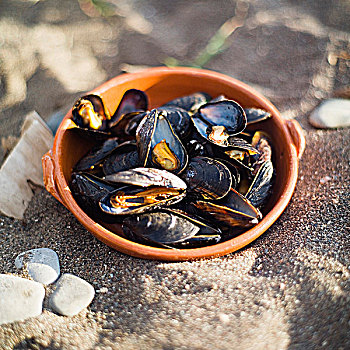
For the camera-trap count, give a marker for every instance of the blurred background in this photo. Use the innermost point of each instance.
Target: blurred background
(295, 52)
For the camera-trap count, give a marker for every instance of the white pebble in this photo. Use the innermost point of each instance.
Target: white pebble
(331, 113)
(72, 295)
(42, 264)
(19, 298)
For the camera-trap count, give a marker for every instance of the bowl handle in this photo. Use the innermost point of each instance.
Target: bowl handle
(48, 172)
(297, 134)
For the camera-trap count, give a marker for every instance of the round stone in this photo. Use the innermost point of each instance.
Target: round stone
(19, 298)
(72, 294)
(331, 113)
(42, 264)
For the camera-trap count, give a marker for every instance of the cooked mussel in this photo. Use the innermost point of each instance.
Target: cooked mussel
(255, 115)
(218, 121)
(261, 185)
(170, 228)
(179, 120)
(88, 190)
(233, 210)
(227, 113)
(158, 145)
(146, 189)
(96, 156)
(132, 101)
(207, 178)
(261, 141)
(135, 199)
(147, 177)
(91, 117)
(123, 157)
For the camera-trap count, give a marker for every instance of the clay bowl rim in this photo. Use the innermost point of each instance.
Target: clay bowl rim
(147, 252)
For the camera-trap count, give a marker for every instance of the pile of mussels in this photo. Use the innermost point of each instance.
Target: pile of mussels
(183, 175)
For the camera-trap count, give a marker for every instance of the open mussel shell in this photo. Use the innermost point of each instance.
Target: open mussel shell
(227, 113)
(233, 210)
(135, 199)
(255, 115)
(189, 102)
(97, 155)
(88, 190)
(146, 177)
(261, 185)
(132, 101)
(220, 122)
(125, 127)
(158, 145)
(91, 117)
(207, 178)
(124, 157)
(179, 119)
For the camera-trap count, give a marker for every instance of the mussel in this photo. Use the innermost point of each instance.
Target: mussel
(218, 121)
(208, 178)
(158, 145)
(233, 210)
(146, 189)
(94, 120)
(187, 174)
(170, 228)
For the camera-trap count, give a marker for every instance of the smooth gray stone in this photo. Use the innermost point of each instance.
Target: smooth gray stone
(19, 298)
(332, 113)
(42, 264)
(72, 295)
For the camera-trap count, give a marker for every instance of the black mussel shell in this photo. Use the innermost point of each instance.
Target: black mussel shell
(235, 171)
(199, 146)
(127, 124)
(89, 113)
(227, 113)
(239, 143)
(88, 190)
(132, 101)
(197, 241)
(233, 210)
(179, 119)
(94, 158)
(146, 177)
(124, 157)
(261, 185)
(208, 178)
(218, 134)
(261, 141)
(206, 228)
(158, 145)
(159, 227)
(189, 102)
(135, 199)
(255, 115)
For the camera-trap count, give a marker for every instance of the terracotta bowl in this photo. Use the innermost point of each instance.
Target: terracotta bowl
(161, 85)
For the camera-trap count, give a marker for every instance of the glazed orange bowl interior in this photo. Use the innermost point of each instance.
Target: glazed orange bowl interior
(162, 85)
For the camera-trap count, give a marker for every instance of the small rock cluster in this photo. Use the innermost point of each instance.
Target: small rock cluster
(21, 298)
